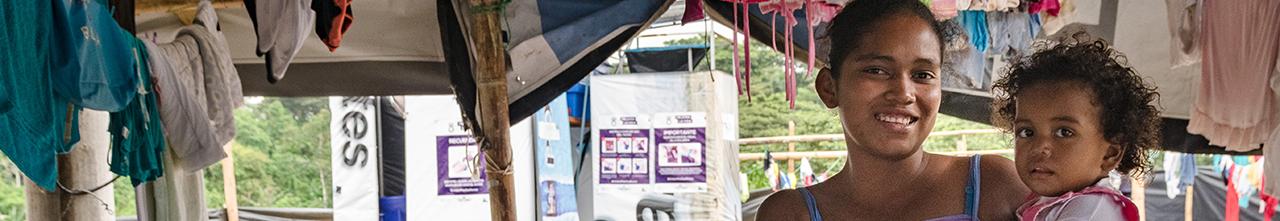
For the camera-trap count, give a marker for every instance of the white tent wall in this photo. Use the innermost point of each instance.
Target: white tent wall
(428, 117)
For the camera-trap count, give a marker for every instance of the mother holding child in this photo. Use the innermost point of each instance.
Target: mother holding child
(886, 57)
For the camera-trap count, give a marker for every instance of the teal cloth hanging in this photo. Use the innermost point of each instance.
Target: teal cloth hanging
(137, 135)
(91, 60)
(39, 124)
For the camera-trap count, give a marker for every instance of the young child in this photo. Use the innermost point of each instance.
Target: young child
(1077, 112)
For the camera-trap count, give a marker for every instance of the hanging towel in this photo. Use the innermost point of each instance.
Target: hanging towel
(35, 128)
(91, 59)
(137, 136)
(334, 17)
(1271, 166)
(1240, 43)
(198, 88)
(282, 26)
(975, 25)
(1179, 172)
(1011, 33)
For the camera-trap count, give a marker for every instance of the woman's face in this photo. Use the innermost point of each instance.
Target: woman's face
(888, 87)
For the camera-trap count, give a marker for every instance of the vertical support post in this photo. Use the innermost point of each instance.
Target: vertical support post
(1187, 207)
(229, 186)
(491, 85)
(1139, 196)
(84, 168)
(791, 147)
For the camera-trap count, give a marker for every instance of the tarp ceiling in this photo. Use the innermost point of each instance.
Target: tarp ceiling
(395, 47)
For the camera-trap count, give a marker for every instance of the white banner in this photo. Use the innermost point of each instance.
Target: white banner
(354, 135)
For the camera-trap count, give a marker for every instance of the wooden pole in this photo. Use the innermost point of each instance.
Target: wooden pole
(84, 168)
(491, 85)
(1139, 196)
(1187, 207)
(791, 147)
(229, 186)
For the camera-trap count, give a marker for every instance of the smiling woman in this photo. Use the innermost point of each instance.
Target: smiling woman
(884, 83)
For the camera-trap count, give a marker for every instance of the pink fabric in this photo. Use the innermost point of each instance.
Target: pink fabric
(1030, 210)
(1049, 6)
(1235, 107)
(945, 9)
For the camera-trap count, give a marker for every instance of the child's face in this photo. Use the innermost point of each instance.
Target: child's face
(1059, 143)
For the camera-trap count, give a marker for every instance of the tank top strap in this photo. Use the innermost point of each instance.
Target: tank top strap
(973, 189)
(812, 204)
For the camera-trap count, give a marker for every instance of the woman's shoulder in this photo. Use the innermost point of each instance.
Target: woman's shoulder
(783, 205)
(1002, 190)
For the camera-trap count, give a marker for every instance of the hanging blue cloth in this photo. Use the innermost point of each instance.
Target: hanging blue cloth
(975, 23)
(137, 135)
(91, 61)
(39, 124)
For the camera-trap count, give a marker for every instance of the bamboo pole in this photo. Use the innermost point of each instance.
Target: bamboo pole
(1187, 207)
(491, 85)
(840, 137)
(840, 153)
(1139, 196)
(229, 186)
(82, 169)
(791, 147)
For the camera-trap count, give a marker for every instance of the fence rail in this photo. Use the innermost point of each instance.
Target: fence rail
(961, 146)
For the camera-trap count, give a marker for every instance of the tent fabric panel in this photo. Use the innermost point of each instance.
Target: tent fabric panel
(356, 78)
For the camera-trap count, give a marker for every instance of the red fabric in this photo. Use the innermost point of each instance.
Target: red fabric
(1233, 202)
(1050, 6)
(340, 24)
(692, 11)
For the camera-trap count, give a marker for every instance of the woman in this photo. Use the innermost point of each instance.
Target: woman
(886, 57)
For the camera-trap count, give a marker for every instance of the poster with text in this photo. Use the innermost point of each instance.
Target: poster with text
(354, 159)
(624, 153)
(681, 144)
(460, 166)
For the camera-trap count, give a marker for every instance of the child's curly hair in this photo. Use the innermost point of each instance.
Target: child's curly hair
(1128, 117)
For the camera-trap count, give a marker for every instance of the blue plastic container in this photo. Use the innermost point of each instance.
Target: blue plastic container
(575, 96)
(392, 208)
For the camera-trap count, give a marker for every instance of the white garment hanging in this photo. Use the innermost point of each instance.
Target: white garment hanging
(282, 27)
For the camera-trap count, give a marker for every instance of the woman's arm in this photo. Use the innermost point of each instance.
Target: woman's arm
(783, 205)
(1002, 190)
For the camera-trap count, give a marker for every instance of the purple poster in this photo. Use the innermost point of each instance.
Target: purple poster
(461, 166)
(624, 156)
(681, 155)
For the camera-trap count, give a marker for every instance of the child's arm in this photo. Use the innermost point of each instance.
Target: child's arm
(1092, 207)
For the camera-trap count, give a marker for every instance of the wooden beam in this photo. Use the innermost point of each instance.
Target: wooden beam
(840, 153)
(791, 147)
(229, 185)
(840, 137)
(491, 84)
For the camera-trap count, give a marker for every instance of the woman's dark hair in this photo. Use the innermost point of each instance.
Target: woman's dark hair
(859, 18)
(1127, 115)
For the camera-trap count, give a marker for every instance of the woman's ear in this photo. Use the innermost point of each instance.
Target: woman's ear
(826, 86)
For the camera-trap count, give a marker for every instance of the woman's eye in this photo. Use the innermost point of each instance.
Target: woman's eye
(1023, 133)
(924, 75)
(1063, 132)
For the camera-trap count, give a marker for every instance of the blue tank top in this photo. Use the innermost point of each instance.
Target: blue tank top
(971, 193)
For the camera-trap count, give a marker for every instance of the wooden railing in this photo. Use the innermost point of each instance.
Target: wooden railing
(791, 154)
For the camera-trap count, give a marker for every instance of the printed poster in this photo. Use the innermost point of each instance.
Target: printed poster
(681, 141)
(461, 166)
(354, 159)
(553, 155)
(624, 153)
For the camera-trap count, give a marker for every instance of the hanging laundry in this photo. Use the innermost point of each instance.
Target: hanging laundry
(1232, 212)
(944, 9)
(39, 124)
(1240, 44)
(333, 18)
(1271, 168)
(975, 25)
(91, 57)
(282, 26)
(1047, 6)
(1011, 33)
(137, 136)
(1180, 170)
(197, 89)
(807, 178)
(692, 12)
(1184, 31)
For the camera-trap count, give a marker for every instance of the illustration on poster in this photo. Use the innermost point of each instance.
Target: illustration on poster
(609, 144)
(642, 145)
(609, 165)
(641, 165)
(624, 166)
(681, 154)
(625, 145)
(460, 158)
(551, 198)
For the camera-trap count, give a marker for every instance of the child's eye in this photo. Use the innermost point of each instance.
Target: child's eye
(1063, 132)
(1023, 133)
